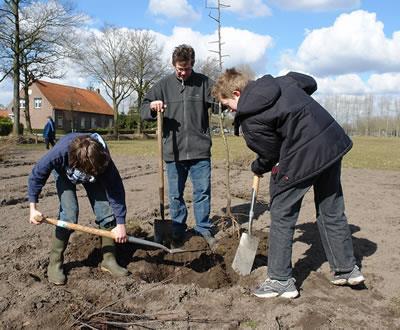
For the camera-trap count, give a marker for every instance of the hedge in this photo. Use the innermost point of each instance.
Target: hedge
(6, 126)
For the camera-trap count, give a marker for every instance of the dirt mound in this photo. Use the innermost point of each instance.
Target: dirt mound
(196, 289)
(197, 264)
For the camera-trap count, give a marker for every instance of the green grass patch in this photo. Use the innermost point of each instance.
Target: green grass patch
(149, 147)
(367, 152)
(250, 324)
(374, 153)
(144, 147)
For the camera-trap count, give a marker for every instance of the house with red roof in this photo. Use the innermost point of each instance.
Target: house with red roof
(72, 108)
(4, 113)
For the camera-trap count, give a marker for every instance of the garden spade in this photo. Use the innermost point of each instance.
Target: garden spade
(102, 232)
(246, 252)
(162, 227)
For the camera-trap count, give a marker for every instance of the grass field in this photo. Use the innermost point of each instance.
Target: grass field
(374, 153)
(367, 152)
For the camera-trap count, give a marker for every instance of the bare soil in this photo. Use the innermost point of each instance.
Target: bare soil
(197, 289)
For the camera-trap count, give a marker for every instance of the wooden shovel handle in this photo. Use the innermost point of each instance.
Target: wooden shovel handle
(160, 118)
(74, 226)
(254, 192)
(256, 183)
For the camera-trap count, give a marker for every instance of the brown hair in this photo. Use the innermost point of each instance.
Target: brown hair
(228, 82)
(183, 53)
(88, 155)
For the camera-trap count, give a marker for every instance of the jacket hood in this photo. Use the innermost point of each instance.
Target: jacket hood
(306, 83)
(258, 96)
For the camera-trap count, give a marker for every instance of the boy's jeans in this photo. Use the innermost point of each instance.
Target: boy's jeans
(332, 224)
(199, 171)
(69, 207)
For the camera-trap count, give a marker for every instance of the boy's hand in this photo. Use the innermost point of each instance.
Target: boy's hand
(261, 165)
(257, 168)
(33, 213)
(120, 233)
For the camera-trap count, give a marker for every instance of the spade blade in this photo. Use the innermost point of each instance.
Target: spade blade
(245, 254)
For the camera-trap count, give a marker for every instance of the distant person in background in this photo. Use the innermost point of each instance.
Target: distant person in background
(49, 132)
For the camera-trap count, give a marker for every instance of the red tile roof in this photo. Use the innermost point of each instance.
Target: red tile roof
(66, 97)
(3, 113)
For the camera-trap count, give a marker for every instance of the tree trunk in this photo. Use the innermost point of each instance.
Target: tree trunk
(16, 68)
(228, 211)
(139, 127)
(115, 107)
(27, 107)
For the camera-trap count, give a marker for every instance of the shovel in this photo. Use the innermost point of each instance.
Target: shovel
(246, 252)
(162, 227)
(105, 233)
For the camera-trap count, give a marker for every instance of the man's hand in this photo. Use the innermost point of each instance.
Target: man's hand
(120, 233)
(158, 106)
(33, 213)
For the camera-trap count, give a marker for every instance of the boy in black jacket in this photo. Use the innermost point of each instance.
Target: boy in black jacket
(302, 145)
(81, 159)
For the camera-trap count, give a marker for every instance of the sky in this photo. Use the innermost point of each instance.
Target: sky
(348, 46)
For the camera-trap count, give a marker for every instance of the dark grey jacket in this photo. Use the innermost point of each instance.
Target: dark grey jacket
(186, 133)
(282, 123)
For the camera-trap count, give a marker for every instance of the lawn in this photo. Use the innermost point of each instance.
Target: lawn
(367, 152)
(374, 153)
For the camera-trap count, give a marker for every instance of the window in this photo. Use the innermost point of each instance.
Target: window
(38, 102)
(22, 104)
(82, 122)
(59, 121)
(93, 122)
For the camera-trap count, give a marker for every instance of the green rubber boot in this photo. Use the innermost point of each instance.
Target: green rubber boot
(55, 272)
(109, 263)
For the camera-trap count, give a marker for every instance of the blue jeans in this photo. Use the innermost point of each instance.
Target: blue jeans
(332, 224)
(199, 171)
(69, 207)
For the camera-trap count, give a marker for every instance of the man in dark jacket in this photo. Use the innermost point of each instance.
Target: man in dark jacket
(49, 133)
(185, 97)
(302, 145)
(81, 159)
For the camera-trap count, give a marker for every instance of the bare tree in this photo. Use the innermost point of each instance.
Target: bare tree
(43, 57)
(146, 66)
(246, 70)
(31, 39)
(10, 39)
(106, 57)
(397, 116)
(368, 107)
(209, 67)
(219, 42)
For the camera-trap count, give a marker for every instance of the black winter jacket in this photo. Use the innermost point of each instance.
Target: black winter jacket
(283, 124)
(186, 132)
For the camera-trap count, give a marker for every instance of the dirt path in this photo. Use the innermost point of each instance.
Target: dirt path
(196, 290)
